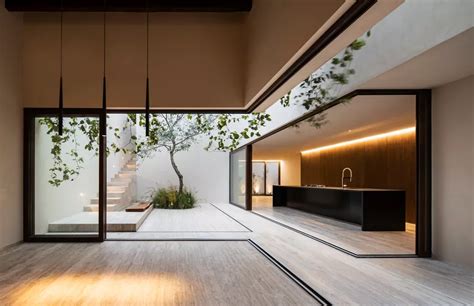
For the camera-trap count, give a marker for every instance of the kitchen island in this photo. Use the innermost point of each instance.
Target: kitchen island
(372, 209)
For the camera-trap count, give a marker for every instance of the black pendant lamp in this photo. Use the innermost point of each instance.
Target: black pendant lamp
(147, 94)
(61, 102)
(104, 82)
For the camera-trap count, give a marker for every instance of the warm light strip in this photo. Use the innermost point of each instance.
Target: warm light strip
(369, 138)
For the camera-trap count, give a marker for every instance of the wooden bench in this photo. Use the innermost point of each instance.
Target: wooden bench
(138, 207)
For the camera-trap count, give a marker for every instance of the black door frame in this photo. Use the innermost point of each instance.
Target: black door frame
(423, 155)
(29, 176)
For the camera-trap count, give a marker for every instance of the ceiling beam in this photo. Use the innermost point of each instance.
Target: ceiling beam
(129, 5)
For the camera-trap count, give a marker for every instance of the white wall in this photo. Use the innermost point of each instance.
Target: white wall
(453, 167)
(205, 172)
(11, 128)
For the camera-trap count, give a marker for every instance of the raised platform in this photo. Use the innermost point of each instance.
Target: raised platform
(117, 221)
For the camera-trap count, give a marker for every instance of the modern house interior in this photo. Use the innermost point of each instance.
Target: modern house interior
(237, 152)
(362, 147)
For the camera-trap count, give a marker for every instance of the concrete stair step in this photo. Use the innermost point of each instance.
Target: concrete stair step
(112, 188)
(116, 193)
(125, 175)
(115, 200)
(121, 180)
(95, 207)
(87, 222)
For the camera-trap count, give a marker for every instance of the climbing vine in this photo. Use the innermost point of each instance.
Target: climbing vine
(67, 163)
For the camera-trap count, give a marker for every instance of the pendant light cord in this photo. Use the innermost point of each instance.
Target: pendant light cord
(105, 32)
(61, 42)
(147, 34)
(147, 93)
(61, 102)
(104, 82)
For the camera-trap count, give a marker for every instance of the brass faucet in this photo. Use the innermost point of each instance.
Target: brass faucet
(346, 177)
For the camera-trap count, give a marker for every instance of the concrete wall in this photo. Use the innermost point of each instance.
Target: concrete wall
(206, 173)
(453, 167)
(11, 131)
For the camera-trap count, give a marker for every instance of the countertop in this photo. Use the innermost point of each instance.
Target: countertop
(340, 188)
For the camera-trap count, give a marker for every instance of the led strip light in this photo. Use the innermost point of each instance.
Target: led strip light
(369, 138)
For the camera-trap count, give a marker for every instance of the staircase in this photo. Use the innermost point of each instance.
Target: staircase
(121, 190)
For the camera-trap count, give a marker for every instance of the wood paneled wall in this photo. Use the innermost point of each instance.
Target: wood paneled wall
(388, 162)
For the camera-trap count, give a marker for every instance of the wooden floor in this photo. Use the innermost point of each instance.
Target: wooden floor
(230, 275)
(144, 273)
(345, 235)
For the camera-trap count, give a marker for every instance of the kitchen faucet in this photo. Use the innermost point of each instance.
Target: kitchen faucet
(346, 177)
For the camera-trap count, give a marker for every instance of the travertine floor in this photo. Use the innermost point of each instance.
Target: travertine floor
(345, 235)
(225, 274)
(144, 273)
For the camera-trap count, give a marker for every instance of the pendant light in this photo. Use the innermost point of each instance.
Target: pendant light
(104, 82)
(147, 94)
(61, 103)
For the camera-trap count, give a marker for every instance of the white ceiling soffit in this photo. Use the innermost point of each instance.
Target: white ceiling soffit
(376, 13)
(363, 116)
(445, 63)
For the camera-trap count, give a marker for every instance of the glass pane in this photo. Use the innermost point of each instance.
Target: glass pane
(66, 176)
(273, 175)
(237, 170)
(258, 178)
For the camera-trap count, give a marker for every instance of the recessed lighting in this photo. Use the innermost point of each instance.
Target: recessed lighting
(373, 137)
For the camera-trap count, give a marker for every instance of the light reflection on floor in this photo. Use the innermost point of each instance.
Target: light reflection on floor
(104, 289)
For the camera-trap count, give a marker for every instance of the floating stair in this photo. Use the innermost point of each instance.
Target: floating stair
(121, 190)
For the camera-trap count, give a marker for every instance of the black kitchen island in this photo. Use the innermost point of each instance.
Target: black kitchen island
(373, 209)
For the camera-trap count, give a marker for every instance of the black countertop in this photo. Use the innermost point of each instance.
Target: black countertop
(374, 209)
(341, 188)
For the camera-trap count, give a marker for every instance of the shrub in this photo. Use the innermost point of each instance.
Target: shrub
(171, 198)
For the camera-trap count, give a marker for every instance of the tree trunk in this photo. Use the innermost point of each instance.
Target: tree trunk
(175, 168)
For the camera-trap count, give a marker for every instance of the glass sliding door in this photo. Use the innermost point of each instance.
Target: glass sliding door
(63, 177)
(240, 178)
